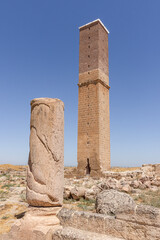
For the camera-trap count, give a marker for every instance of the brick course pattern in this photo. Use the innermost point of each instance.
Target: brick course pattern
(93, 104)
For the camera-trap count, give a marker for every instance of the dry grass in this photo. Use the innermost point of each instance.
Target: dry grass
(120, 169)
(5, 167)
(10, 176)
(7, 215)
(70, 168)
(149, 198)
(80, 205)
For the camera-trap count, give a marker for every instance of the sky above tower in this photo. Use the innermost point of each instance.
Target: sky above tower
(39, 57)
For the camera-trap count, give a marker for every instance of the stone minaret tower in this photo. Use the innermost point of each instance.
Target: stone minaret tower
(93, 104)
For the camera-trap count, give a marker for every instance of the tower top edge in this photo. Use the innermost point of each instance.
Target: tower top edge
(92, 23)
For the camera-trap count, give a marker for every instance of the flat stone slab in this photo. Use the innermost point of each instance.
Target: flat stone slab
(70, 233)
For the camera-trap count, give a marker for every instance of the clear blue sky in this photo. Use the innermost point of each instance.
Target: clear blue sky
(39, 49)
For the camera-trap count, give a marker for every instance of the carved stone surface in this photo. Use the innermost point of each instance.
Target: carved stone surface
(45, 178)
(128, 227)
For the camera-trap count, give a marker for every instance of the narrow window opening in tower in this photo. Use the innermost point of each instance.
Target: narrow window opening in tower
(88, 168)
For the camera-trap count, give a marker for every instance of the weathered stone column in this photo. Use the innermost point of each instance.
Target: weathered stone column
(45, 178)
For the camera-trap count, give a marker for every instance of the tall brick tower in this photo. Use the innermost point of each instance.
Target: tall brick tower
(93, 105)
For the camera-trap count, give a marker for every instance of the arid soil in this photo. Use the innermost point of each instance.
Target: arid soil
(13, 193)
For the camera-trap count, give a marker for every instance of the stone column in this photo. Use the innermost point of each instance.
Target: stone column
(45, 178)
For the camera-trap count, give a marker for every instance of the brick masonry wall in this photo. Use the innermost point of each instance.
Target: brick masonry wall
(88, 128)
(93, 105)
(104, 127)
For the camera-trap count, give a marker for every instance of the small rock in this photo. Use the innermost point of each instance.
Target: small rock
(67, 192)
(147, 184)
(126, 188)
(135, 184)
(156, 183)
(3, 178)
(142, 186)
(17, 190)
(154, 188)
(90, 194)
(77, 192)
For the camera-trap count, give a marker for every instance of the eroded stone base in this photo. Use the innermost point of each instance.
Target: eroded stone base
(36, 224)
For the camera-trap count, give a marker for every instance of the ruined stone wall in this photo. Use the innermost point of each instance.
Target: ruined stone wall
(142, 225)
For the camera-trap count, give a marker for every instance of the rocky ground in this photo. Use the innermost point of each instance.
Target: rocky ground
(12, 194)
(79, 194)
